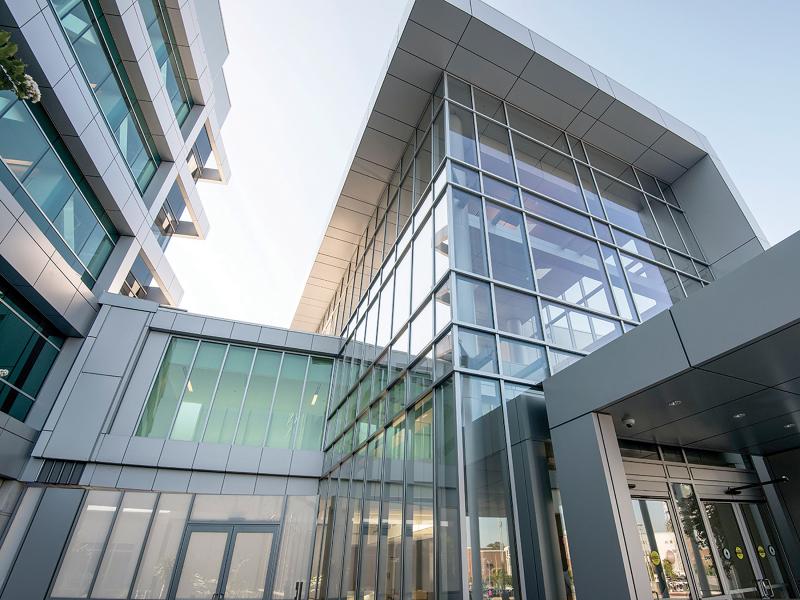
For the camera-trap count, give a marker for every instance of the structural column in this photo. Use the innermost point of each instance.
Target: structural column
(603, 538)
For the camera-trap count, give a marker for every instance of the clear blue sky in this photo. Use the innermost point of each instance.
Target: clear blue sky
(301, 74)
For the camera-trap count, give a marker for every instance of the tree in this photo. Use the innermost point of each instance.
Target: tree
(12, 71)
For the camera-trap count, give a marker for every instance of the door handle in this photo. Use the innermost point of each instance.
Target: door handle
(298, 590)
(768, 588)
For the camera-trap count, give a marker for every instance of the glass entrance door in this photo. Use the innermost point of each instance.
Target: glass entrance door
(747, 545)
(225, 562)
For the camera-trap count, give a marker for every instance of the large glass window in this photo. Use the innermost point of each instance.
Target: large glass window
(627, 207)
(469, 245)
(448, 534)
(568, 267)
(418, 544)
(495, 149)
(162, 40)
(477, 351)
(507, 246)
(229, 394)
(490, 527)
(371, 519)
(547, 172)
(41, 174)
(576, 329)
(29, 346)
(90, 37)
(474, 302)
(462, 135)
(523, 360)
(391, 541)
(654, 288)
(517, 313)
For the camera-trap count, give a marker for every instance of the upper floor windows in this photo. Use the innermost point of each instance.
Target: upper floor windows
(162, 40)
(44, 179)
(87, 32)
(228, 394)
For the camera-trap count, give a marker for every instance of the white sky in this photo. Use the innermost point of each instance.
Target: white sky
(301, 74)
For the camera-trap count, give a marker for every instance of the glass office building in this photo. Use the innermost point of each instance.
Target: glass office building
(524, 365)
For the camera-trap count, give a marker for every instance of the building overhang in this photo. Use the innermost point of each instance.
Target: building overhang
(717, 371)
(481, 45)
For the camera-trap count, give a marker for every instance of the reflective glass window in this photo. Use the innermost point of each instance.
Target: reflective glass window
(402, 292)
(619, 287)
(469, 246)
(627, 207)
(590, 191)
(315, 399)
(443, 313)
(464, 176)
(495, 149)
(191, 417)
(474, 302)
(448, 538)
(547, 172)
(523, 360)
(421, 330)
(611, 165)
(536, 128)
(640, 247)
(489, 105)
(576, 329)
(654, 288)
(686, 232)
(422, 273)
(550, 210)
(488, 491)
(477, 351)
(371, 519)
(390, 558)
(507, 246)
(500, 190)
(517, 313)
(283, 418)
(568, 267)
(258, 401)
(561, 360)
(462, 135)
(441, 241)
(224, 413)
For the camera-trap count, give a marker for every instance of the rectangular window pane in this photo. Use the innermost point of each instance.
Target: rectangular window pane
(517, 313)
(507, 246)
(668, 228)
(466, 177)
(550, 210)
(419, 557)
(627, 207)
(495, 149)
(523, 360)
(477, 351)
(402, 292)
(654, 288)
(536, 128)
(228, 399)
(315, 399)
(443, 315)
(590, 191)
(448, 530)
(255, 411)
(161, 549)
(576, 329)
(371, 519)
(619, 287)
(287, 401)
(441, 240)
(390, 558)
(421, 330)
(490, 526)
(208, 507)
(422, 273)
(83, 553)
(611, 165)
(462, 135)
(468, 241)
(459, 91)
(568, 267)
(200, 387)
(547, 172)
(686, 232)
(122, 552)
(501, 191)
(474, 302)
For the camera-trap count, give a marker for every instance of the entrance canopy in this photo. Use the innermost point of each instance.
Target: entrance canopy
(719, 370)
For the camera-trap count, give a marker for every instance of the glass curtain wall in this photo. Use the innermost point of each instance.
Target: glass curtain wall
(88, 33)
(39, 171)
(503, 250)
(29, 346)
(162, 39)
(229, 394)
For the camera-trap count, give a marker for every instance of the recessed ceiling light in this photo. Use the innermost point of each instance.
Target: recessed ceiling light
(739, 415)
(675, 403)
(789, 426)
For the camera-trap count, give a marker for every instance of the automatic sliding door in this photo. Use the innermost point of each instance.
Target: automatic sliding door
(767, 553)
(733, 550)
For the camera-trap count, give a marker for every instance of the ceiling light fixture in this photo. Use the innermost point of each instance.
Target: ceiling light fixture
(789, 426)
(739, 415)
(675, 403)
